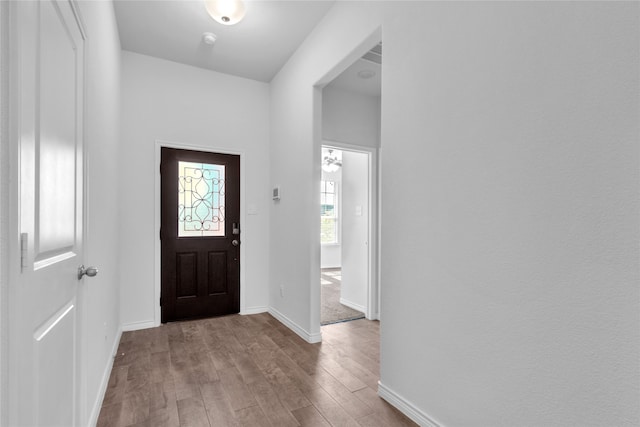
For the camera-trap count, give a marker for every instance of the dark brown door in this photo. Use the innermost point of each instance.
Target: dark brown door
(200, 208)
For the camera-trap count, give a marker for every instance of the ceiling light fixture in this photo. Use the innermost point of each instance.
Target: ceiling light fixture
(226, 12)
(332, 162)
(366, 74)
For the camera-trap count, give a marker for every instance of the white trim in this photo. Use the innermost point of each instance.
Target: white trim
(372, 308)
(353, 305)
(4, 209)
(307, 336)
(136, 326)
(406, 407)
(156, 206)
(254, 310)
(102, 390)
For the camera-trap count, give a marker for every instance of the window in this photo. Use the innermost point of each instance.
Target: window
(200, 199)
(328, 212)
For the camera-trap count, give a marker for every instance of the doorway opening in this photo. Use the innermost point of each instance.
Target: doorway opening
(348, 143)
(345, 234)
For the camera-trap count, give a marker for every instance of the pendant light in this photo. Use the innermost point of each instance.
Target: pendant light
(226, 12)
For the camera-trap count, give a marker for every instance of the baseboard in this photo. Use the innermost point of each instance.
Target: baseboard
(254, 310)
(97, 405)
(353, 305)
(406, 407)
(305, 335)
(135, 326)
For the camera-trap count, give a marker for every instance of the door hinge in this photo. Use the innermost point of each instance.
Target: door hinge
(160, 234)
(24, 250)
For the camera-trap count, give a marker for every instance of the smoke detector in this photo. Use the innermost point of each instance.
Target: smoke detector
(209, 39)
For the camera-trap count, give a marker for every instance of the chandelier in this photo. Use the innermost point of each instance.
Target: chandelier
(331, 161)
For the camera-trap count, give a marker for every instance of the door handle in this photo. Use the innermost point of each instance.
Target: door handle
(235, 242)
(89, 271)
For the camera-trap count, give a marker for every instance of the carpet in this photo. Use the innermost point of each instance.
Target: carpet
(332, 311)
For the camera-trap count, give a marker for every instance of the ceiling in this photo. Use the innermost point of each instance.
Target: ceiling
(256, 48)
(351, 81)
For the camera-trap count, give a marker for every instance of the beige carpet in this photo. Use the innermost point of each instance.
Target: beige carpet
(332, 311)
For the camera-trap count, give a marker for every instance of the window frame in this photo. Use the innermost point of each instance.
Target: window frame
(336, 211)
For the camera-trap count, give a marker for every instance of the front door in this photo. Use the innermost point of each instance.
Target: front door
(45, 332)
(200, 234)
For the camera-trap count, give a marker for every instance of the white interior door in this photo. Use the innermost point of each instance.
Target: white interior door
(46, 114)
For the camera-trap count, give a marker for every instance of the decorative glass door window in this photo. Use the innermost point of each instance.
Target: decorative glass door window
(200, 199)
(328, 212)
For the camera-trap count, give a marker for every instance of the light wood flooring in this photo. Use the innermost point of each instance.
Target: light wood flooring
(247, 371)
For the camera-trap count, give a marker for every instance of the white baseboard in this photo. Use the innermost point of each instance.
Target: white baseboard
(97, 405)
(406, 407)
(135, 326)
(254, 310)
(305, 335)
(353, 305)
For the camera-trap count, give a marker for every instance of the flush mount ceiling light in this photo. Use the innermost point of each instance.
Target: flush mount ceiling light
(331, 162)
(226, 12)
(366, 74)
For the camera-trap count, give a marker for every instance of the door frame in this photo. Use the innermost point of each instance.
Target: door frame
(157, 277)
(372, 309)
(5, 212)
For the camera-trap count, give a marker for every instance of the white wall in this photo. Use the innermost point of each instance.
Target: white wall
(510, 137)
(296, 133)
(163, 100)
(350, 117)
(355, 229)
(331, 254)
(520, 273)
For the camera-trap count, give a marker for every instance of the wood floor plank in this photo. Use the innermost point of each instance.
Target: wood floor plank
(273, 409)
(310, 417)
(329, 408)
(192, 413)
(342, 374)
(110, 415)
(345, 398)
(116, 386)
(247, 371)
(252, 417)
(160, 364)
(239, 395)
(217, 404)
(247, 367)
(390, 415)
(290, 396)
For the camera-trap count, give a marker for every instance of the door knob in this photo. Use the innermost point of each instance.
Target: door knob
(89, 271)
(235, 242)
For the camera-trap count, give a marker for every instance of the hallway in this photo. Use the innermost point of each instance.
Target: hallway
(247, 371)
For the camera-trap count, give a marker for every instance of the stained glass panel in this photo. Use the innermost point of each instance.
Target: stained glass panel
(200, 199)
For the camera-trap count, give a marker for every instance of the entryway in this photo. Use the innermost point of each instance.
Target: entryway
(200, 234)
